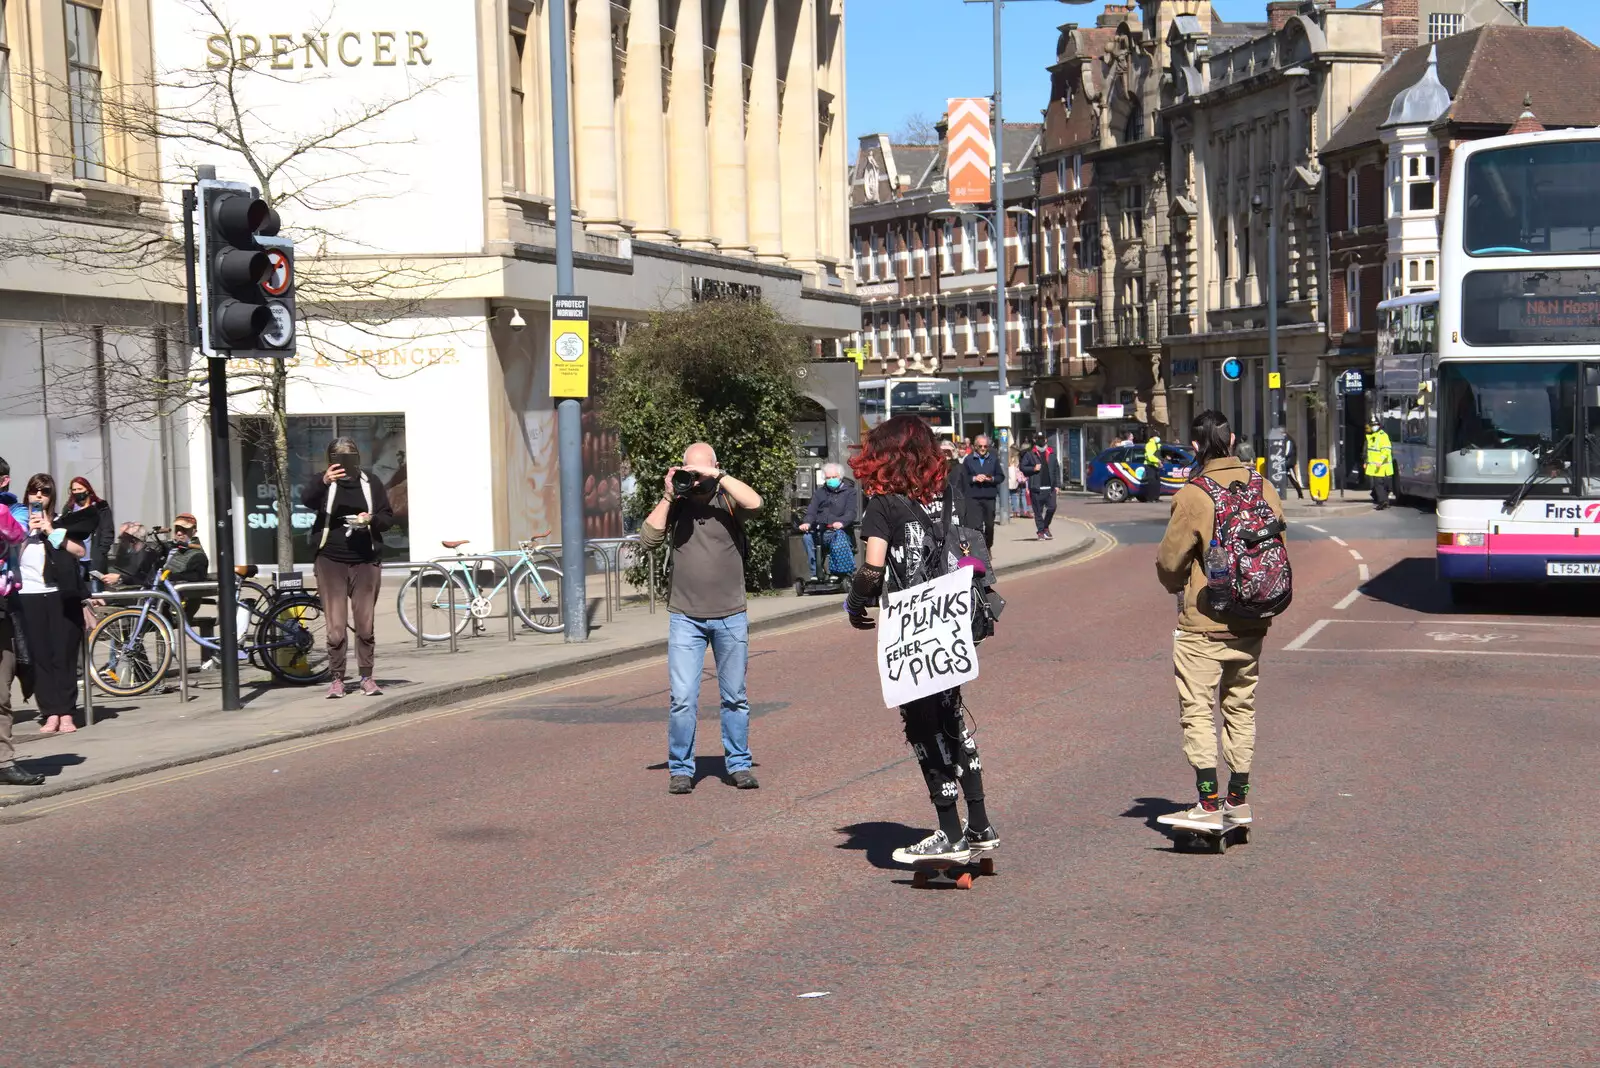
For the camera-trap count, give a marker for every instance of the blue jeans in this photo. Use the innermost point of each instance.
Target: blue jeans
(729, 639)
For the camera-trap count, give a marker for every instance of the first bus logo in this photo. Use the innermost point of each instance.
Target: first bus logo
(1591, 512)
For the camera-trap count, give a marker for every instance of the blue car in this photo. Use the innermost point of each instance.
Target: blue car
(1118, 472)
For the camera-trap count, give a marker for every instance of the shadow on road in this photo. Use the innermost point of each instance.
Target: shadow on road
(879, 839)
(1413, 584)
(706, 767)
(1148, 808)
(53, 765)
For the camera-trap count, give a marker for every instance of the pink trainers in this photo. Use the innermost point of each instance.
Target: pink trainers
(336, 689)
(370, 687)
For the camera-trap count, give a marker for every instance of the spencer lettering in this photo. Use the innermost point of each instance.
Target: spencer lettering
(321, 48)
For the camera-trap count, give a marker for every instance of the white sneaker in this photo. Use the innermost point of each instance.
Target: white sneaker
(1199, 817)
(208, 664)
(1234, 814)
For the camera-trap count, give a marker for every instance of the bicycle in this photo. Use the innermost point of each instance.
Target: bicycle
(131, 649)
(535, 581)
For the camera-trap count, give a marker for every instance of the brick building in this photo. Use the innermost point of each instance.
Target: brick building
(926, 272)
(1068, 382)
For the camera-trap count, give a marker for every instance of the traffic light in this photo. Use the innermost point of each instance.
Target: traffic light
(245, 274)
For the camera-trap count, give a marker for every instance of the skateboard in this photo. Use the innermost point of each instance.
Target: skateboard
(963, 872)
(1204, 838)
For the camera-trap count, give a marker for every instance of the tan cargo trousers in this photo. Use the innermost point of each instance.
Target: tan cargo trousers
(1205, 664)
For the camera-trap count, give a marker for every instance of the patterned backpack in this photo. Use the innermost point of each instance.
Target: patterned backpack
(1260, 580)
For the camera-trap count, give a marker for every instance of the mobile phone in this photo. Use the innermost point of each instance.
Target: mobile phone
(35, 508)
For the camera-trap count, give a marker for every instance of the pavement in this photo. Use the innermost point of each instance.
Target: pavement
(157, 732)
(504, 881)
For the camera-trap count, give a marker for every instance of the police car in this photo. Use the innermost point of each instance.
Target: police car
(1118, 472)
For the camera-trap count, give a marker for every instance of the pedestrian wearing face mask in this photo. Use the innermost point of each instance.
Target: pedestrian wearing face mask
(832, 509)
(352, 513)
(51, 603)
(700, 520)
(88, 517)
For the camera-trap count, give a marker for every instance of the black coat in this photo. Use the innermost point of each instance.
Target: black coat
(829, 506)
(983, 465)
(316, 496)
(91, 522)
(1041, 468)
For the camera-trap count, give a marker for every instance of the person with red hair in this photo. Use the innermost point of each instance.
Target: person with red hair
(905, 480)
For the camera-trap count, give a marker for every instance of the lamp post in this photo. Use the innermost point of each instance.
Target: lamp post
(1277, 468)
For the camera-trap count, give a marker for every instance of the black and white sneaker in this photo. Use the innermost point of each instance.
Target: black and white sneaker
(981, 841)
(934, 847)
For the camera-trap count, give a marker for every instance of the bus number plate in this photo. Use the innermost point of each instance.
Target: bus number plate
(1572, 568)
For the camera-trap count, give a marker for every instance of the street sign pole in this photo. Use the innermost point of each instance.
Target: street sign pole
(569, 415)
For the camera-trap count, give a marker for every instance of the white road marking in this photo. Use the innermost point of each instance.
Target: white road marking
(1365, 574)
(1354, 555)
(1337, 540)
(1313, 526)
(1462, 652)
(1310, 632)
(1348, 600)
(1465, 622)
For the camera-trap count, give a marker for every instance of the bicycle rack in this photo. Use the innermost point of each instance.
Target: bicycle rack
(135, 597)
(505, 569)
(418, 565)
(554, 549)
(614, 548)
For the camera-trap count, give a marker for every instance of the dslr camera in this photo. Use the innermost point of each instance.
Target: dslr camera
(683, 482)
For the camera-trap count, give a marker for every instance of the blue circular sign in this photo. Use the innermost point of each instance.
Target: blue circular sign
(1319, 470)
(1232, 369)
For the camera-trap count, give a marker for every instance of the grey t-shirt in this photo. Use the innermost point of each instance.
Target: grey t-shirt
(707, 570)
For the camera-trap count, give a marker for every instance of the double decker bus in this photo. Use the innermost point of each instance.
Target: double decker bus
(1518, 404)
(934, 399)
(1404, 381)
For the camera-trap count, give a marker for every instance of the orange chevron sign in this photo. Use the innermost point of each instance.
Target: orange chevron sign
(970, 160)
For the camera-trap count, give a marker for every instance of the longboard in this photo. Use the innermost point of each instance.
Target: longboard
(1209, 838)
(963, 872)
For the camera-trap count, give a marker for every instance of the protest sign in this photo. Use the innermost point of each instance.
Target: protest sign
(925, 638)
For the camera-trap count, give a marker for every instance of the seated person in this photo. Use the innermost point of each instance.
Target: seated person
(832, 508)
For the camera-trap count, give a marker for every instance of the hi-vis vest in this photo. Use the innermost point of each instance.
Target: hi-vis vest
(1152, 451)
(1380, 454)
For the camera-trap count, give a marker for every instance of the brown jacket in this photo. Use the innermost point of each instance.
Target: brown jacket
(1180, 561)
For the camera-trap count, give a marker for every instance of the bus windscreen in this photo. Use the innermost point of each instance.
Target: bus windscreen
(1533, 199)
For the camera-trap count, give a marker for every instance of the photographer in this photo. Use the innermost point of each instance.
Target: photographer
(698, 517)
(352, 513)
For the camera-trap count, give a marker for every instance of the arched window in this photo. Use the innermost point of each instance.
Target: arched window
(1134, 130)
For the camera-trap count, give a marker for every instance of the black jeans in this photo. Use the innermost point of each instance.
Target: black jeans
(981, 509)
(1380, 490)
(1150, 489)
(52, 628)
(945, 749)
(1044, 508)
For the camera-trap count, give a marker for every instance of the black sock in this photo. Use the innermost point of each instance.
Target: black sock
(1205, 781)
(1238, 787)
(977, 815)
(949, 821)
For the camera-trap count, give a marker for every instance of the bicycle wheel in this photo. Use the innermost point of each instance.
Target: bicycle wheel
(293, 639)
(130, 651)
(437, 594)
(536, 595)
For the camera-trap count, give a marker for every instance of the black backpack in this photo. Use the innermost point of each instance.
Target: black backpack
(948, 542)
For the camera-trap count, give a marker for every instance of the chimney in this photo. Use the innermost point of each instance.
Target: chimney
(1279, 12)
(1115, 13)
(1400, 27)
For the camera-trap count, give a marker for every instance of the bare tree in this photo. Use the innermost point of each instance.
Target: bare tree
(208, 115)
(917, 129)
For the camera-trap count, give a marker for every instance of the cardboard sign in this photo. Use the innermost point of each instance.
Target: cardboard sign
(925, 639)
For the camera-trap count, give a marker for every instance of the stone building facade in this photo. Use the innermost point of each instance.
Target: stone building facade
(708, 160)
(1247, 122)
(1069, 384)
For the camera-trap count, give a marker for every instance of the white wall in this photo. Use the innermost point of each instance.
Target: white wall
(414, 174)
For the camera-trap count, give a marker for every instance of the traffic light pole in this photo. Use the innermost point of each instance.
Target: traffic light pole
(221, 470)
(999, 321)
(569, 415)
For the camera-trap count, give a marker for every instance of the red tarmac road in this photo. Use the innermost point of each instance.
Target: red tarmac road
(508, 883)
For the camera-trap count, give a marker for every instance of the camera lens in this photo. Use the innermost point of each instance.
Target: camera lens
(683, 482)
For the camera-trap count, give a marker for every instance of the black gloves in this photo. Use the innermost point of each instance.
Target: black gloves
(865, 588)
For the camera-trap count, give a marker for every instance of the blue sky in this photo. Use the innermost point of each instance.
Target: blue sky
(909, 56)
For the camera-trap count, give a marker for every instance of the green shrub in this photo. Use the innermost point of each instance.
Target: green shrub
(724, 372)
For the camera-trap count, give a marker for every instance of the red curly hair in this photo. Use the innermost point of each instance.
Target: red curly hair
(900, 456)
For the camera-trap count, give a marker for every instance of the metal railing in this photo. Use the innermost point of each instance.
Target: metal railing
(443, 562)
(591, 546)
(424, 565)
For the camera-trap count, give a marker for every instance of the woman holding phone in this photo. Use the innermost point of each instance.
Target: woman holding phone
(51, 606)
(352, 513)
